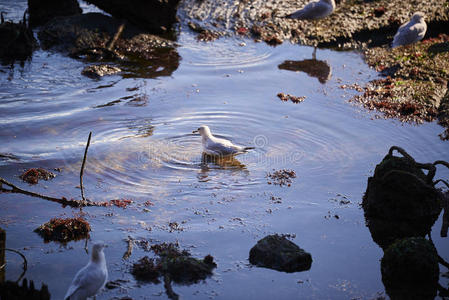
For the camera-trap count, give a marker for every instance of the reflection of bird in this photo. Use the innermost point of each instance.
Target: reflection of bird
(313, 67)
(90, 279)
(411, 32)
(317, 9)
(218, 146)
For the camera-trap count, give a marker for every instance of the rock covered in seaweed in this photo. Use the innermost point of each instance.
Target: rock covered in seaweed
(278, 253)
(16, 41)
(13, 291)
(410, 269)
(399, 190)
(178, 264)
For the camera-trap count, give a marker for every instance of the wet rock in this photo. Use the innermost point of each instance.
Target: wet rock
(154, 16)
(400, 190)
(385, 232)
(410, 269)
(64, 230)
(33, 175)
(97, 71)
(313, 67)
(93, 36)
(42, 11)
(14, 291)
(278, 253)
(16, 41)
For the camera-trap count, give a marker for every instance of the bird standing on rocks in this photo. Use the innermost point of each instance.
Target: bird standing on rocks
(411, 32)
(217, 146)
(314, 10)
(90, 279)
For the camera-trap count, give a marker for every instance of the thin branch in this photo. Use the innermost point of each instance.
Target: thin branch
(82, 167)
(114, 39)
(25, 262)
(445, 223)
(63, 200)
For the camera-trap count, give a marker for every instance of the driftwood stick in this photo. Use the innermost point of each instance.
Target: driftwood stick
(82, 166)
(445, 224)
(63, 200)
(25, 262)
(114, 39)
(129, 250)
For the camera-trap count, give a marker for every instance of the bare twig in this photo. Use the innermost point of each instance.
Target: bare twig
(82, 166)
(63, 200)
(168, 289)
(114, 39)
(129, 250)
(25, 262)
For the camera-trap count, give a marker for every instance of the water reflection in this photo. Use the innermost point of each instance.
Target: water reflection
(222, 162)
(319, 69)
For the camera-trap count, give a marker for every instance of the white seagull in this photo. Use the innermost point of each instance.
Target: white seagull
(411, 32)
(314, 10)
(90, 279)
(217, 146)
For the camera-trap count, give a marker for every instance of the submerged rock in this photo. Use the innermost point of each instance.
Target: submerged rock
(410, 269)
(16, 41)
(42, 11)
(399, 190)
(156, 16)
(278, 253)
(97, 71)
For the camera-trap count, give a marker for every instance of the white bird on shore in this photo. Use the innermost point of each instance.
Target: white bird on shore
(217, 146)
(314, 10)
(90, 279)
(411, 32)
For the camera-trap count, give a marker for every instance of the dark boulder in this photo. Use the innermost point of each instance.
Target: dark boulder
(16, 41)
(42, 11)
(400, 190)
(278, 253)
(156, 16)
(410, 269)
(98, 37)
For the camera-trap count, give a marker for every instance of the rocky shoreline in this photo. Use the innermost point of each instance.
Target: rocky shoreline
(415, 83)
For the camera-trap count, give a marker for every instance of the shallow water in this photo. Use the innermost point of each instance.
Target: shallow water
(143, 149)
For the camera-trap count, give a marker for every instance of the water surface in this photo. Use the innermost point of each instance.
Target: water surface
(143, 149)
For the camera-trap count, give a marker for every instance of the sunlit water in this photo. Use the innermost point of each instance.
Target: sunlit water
(143, 149)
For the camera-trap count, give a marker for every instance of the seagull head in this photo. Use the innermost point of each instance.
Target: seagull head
(418, 16)
(97, 251)
(204, 131)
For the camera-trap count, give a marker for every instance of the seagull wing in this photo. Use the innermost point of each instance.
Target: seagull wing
(313, 10)
(222, 147)
(77, 282)
(409, 34)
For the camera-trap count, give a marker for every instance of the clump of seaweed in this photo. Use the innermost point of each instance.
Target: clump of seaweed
(281, 177)
(33, 175)
(178, 264)
(64, 230)
(294, 99)
(123, 203)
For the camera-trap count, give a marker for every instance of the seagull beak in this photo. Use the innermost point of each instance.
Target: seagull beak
(195, 131)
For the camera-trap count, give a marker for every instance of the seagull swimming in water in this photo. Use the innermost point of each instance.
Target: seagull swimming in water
(411, 32)
(314, 10)
(217, 146)
(90, 279)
